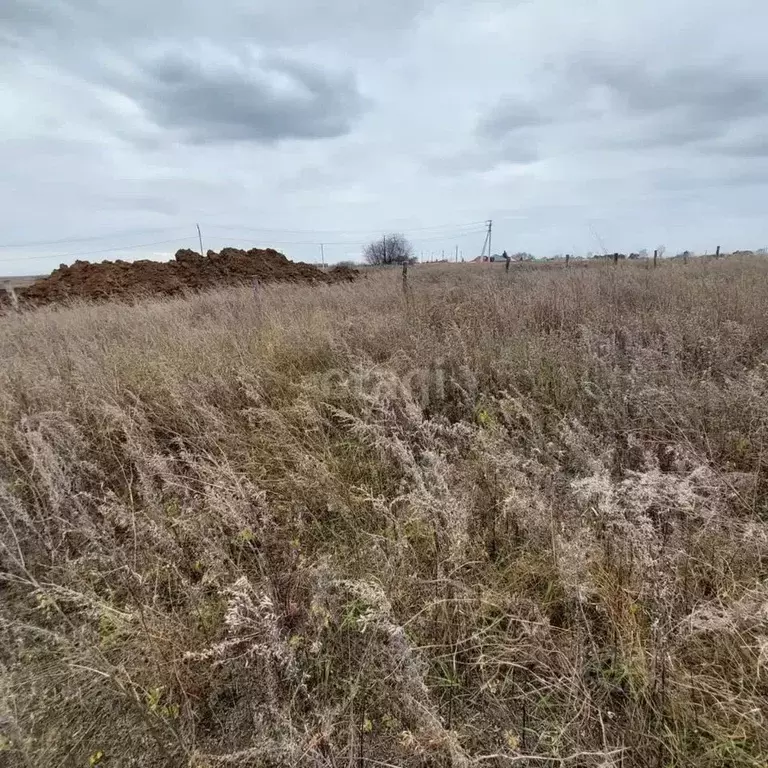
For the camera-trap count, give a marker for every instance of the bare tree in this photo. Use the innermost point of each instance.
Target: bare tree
(390, 249)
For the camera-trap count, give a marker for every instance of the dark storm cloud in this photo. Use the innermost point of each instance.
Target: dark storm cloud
(208, 99)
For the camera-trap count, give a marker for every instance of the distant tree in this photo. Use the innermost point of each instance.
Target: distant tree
(643, 253)
(390, 249)
(662, 249)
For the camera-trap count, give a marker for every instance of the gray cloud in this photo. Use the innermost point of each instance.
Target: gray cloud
(514, 151)
(22, 17)
(150, 203)
(512, 114)
(754, 146)
(735, 175)
(632, 105)
(85, 22)
(717, 91)
(222, 97)
(655, 132)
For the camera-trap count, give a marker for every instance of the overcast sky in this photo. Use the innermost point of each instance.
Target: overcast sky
(125, 123)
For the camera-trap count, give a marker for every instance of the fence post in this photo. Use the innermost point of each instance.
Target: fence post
(655, 257)
(405, 278)
(717, 252)
(567, 258)
(616, 258)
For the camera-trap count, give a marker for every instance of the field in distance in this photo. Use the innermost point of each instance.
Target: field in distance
(17, 282)
(484, 519)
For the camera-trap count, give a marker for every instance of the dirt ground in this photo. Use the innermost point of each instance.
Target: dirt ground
(189, 271)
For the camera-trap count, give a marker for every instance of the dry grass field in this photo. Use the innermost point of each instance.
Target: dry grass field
(17, 282)
(10, 284)
(508, 520)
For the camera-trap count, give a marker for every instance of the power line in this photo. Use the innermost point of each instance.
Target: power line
(458, 231)
(91, 238)
(371, 232)
(449, 236)
(444, 236)
(105, 250)
(272, 241)
(266, 230)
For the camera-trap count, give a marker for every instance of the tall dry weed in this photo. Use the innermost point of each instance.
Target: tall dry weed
(517, 519)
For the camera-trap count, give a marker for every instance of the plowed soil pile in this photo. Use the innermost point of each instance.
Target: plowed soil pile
(188, 272)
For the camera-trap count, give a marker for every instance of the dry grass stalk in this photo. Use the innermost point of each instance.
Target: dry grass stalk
(512, 520)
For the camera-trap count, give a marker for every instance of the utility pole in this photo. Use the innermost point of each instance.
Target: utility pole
(457, 254)
(599, 240)
(487, 242)
(200, 237)
(385, 250)
(322, 254)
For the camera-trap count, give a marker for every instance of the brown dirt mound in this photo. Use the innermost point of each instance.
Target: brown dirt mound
(188, 272)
